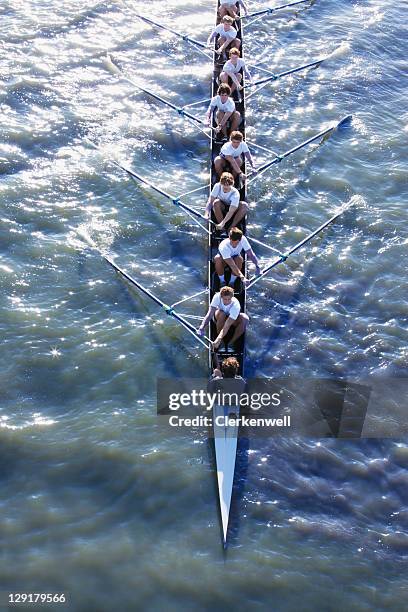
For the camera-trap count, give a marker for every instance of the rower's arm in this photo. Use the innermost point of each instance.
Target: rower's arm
(234, 268)
(224, 330)
(233, 78)
(224, 119)
(249, 158)
(209, 113)
(207, 318)
(211, 37)
(228, 216)
(209, 206)
(230, 159)
(251, 255)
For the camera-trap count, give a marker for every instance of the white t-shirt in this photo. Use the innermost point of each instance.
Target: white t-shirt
(230, 197)
(230, 2)
(233, 309)
(228, 149)
(227, 107)
(231, 33)
(227, 251)
(229, 66)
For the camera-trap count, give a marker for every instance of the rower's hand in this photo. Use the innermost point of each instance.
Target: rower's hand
(200, 332)
(215, 345)
(218, 129)
(206, 215)
(219, 226)
(243, 177)
(254, 170)
(240, 87)
(245, 281)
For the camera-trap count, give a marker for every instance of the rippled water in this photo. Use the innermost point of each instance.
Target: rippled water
(97, 502)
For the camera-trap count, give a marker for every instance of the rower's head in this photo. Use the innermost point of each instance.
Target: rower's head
(224, 91)
(230, 367)
(226, 294)
(236, 138)
(235, 236)
(227, 22)
(234, 55)
(226, 179)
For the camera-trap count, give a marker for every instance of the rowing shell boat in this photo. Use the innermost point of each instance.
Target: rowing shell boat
(225, 435)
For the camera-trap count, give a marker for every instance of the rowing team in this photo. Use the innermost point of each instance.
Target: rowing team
(225, 309)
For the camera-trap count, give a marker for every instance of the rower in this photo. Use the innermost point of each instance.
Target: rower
(225, 111)
(225, 309)
(229, 7)
(231, 153)
(224, 199)
(232, 69)
(229, 254)
(226, 33)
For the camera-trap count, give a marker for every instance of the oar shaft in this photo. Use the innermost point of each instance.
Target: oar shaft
(133, 281)
(297, 148)
(276, 8)
(190, 328)
(313, 234)
(163, 27)
(295, 248)
(142, 180)
(279, 75)
(180, 111)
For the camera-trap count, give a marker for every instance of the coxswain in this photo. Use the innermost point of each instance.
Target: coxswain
(225, 309)
(225, 200)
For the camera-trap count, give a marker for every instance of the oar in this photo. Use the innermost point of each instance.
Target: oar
(279, 158)
(172, 199)
(144, 181)
(167, 29)
(168, 309)
(297, 246)
(273, 77)
(279, 75)
(276, 8)
(116, 70)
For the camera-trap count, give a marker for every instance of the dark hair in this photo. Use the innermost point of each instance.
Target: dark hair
(227, 291)
(224, 89)
(229, 367)
(236, 136)
(235, 233)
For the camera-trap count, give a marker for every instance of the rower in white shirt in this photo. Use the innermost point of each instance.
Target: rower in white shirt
(227, 35)
(226, 311)
(225, 111)
(232, 70)
(229, 7)
(225, 200)
(233, 153)
(229, 254)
